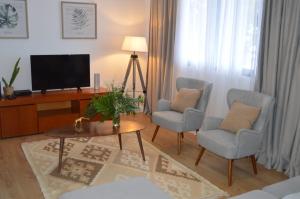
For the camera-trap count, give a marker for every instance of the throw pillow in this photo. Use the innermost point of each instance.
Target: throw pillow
(240, 116)
(186, 98)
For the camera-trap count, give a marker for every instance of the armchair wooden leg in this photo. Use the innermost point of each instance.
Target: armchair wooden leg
(200, 156)
(155, 133)
(253, 160)
(182, 135)
(230, 167)
(179, 138)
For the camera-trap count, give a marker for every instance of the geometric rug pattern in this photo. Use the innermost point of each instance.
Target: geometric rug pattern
(98, 160)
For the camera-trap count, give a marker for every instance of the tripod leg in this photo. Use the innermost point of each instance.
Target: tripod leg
(133, 77)
(127, 74)
(141, 75)
(143, 84)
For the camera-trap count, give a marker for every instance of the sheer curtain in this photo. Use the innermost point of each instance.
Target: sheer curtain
(217, 41)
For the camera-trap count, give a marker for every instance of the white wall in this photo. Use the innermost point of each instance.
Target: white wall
(116, 18)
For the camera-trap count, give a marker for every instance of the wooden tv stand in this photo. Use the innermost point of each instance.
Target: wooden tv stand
(37, 113)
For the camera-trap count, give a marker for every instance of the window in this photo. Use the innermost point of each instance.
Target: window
(220, 34)
(218, 41)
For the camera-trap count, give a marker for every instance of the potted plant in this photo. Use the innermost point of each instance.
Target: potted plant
(8, 88)
(112, 104)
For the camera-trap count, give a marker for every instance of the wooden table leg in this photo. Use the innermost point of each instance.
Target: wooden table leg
(61, 151)
(138, 133)
(230, 165)
(120, 140)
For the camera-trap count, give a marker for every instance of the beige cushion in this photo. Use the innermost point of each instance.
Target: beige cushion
(186, 98)
(240, 116)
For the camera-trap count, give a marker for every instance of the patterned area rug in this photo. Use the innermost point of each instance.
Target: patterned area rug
(93, 161)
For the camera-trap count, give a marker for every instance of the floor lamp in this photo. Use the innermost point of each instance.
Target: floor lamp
(135, 44)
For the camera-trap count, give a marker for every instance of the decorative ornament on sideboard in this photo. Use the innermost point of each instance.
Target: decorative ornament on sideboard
(78, 124)
(8, 88)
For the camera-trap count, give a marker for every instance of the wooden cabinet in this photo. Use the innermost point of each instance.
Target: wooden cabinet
(22, 116)
(83, 106)
(47, 122)
(9, 117)
(27, 119)
(18, 120)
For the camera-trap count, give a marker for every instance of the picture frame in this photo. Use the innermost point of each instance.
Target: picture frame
(13, 19)
(79, 20)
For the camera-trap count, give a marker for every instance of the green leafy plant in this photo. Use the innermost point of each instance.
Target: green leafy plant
(112, 104)
(13, 76)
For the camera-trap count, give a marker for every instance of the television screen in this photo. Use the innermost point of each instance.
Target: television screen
(60, 71)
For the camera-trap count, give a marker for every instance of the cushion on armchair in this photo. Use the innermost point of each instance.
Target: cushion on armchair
(186, 98)
(240, 116)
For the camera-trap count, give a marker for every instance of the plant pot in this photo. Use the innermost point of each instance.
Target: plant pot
(116, 120)
(8, 91)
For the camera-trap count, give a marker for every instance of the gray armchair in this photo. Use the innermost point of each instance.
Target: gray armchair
(191, 119)
(246, 142)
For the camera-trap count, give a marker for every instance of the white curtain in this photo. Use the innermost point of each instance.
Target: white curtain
(217, 41)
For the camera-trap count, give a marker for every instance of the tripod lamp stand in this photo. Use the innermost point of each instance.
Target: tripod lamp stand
(135, 44)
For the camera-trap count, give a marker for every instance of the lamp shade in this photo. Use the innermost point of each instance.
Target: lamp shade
(135, 44)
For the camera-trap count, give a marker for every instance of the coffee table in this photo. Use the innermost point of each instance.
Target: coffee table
(94, 129)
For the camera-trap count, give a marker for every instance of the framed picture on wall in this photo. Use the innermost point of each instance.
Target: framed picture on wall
(79, 20)
(13, 19)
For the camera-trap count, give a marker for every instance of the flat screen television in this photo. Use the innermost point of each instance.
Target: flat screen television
(60, 71)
